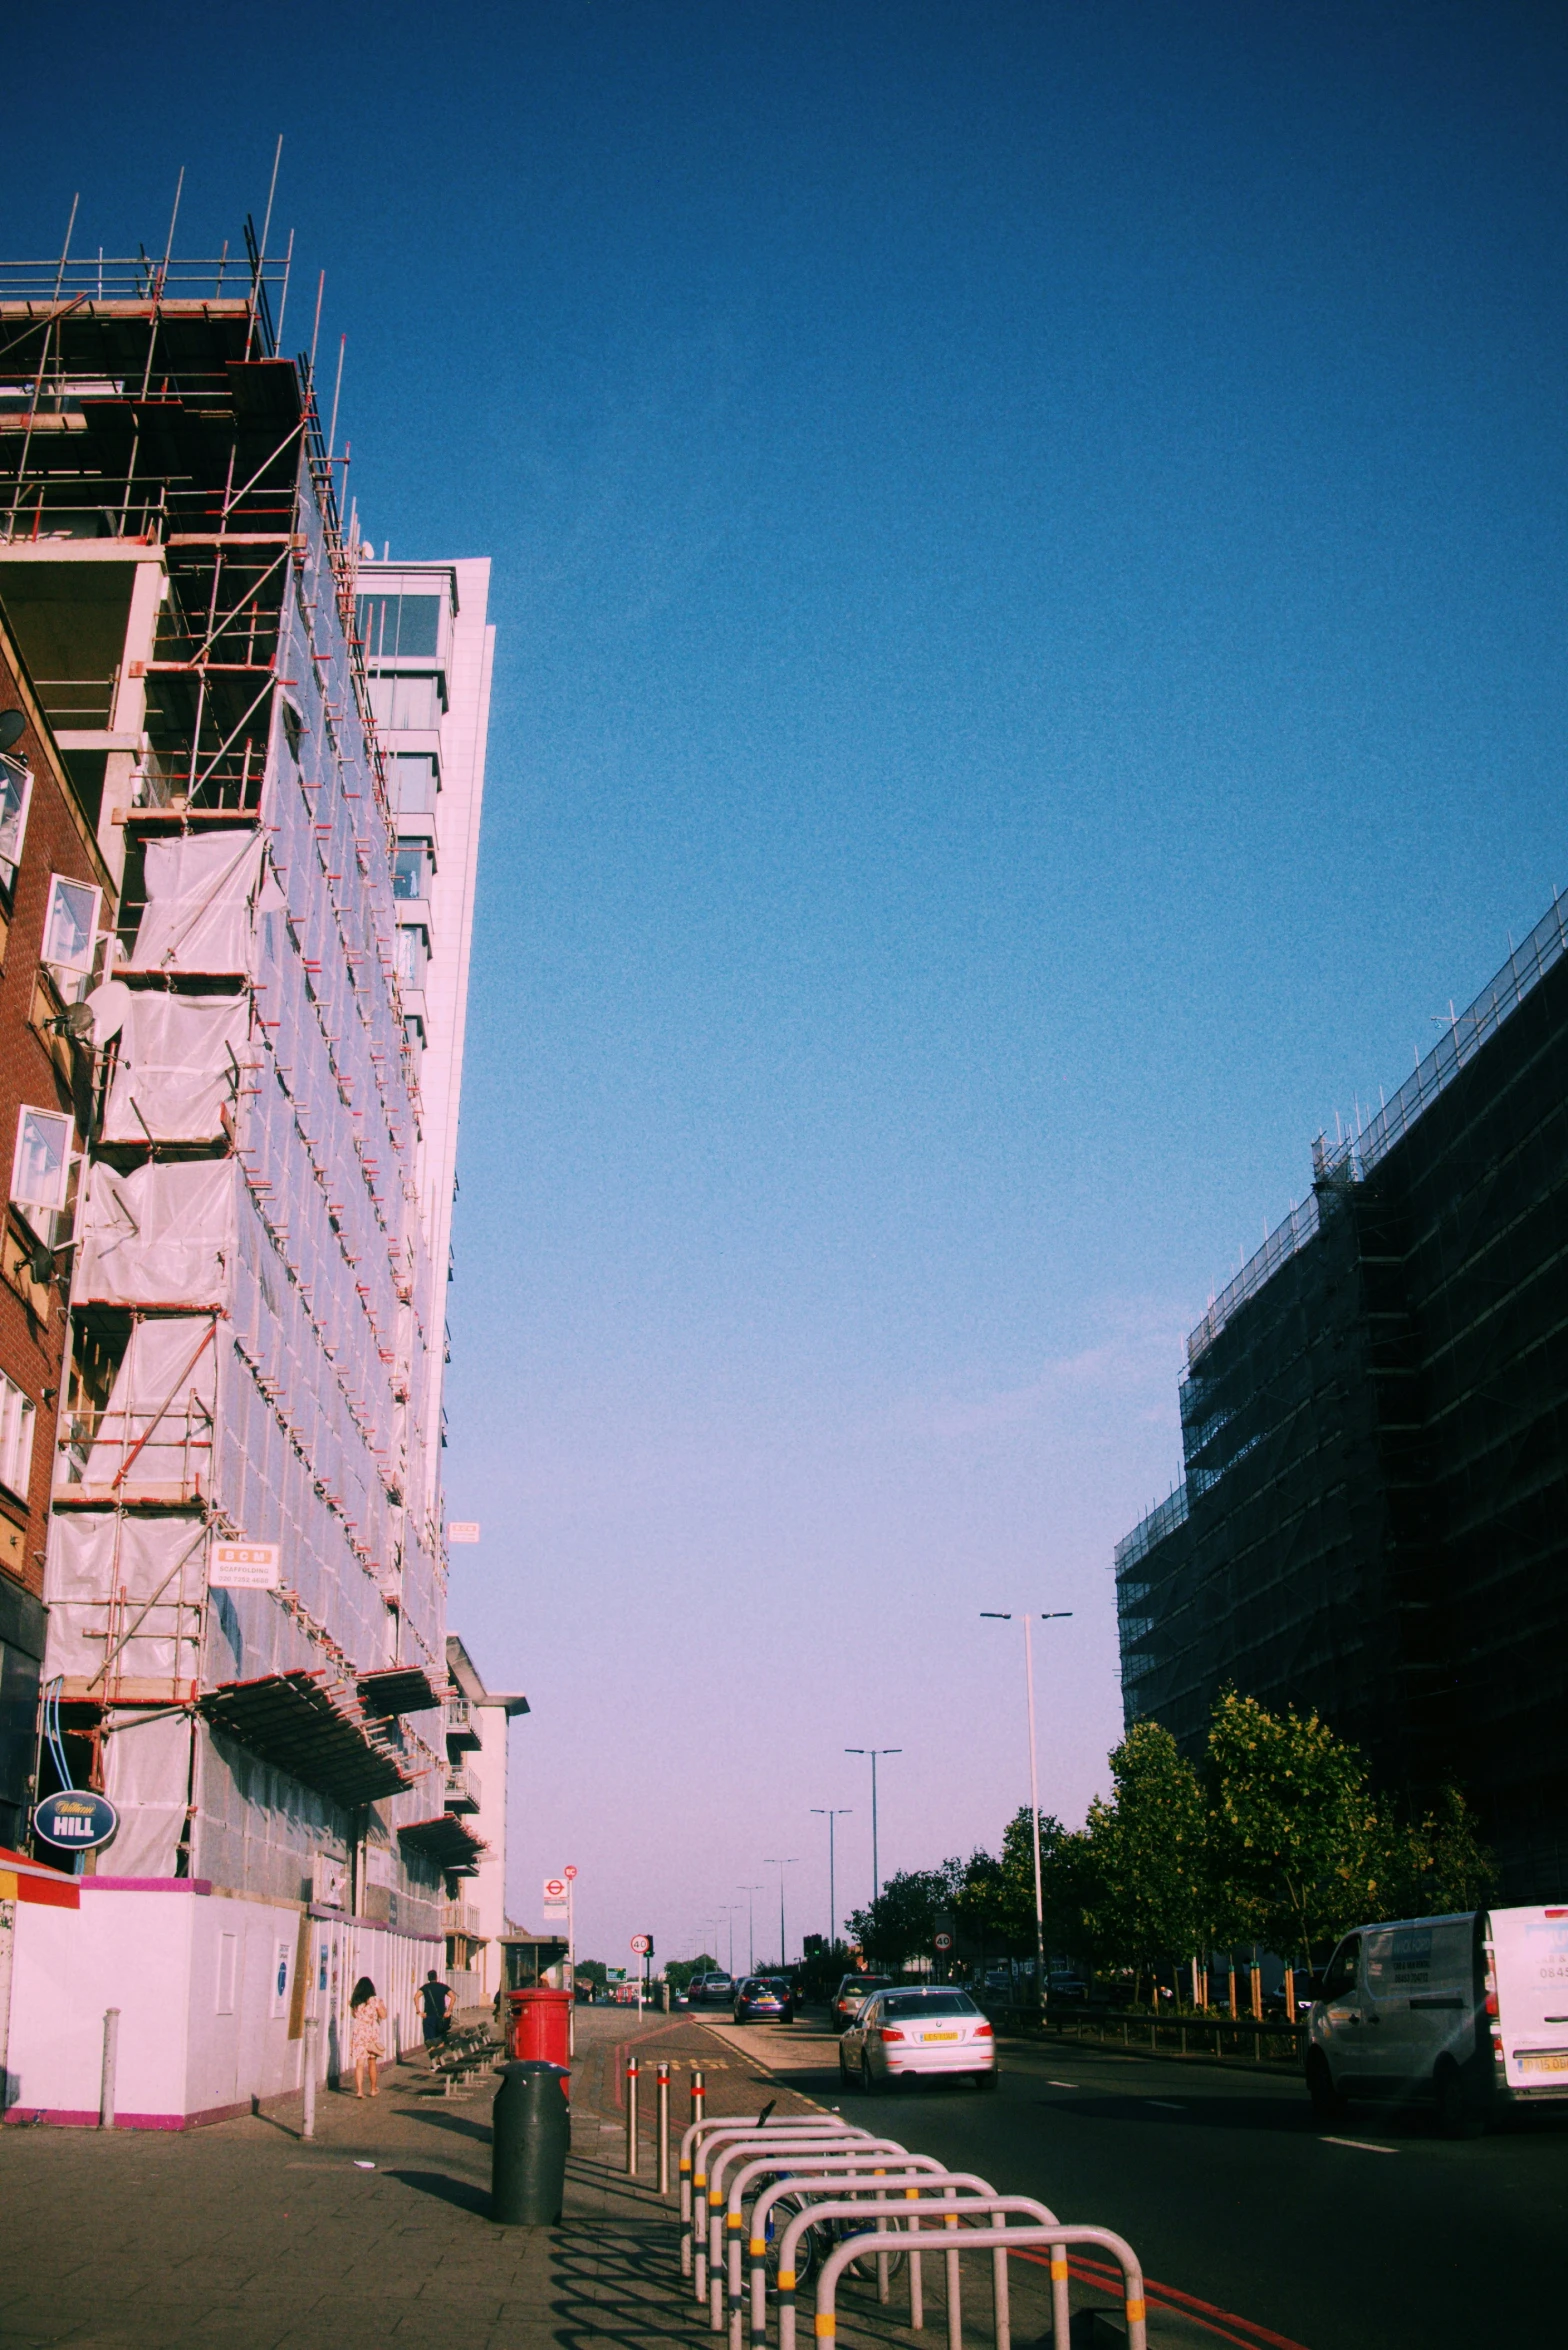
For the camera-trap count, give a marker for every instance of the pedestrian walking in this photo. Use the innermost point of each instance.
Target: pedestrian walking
(367, 2012)
(435, 1997)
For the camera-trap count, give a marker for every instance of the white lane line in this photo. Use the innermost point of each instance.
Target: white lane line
(1361, 2145)
(1165, 2104)
(1061, 2084)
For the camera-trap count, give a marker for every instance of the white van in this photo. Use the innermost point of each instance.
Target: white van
(1470, 2009)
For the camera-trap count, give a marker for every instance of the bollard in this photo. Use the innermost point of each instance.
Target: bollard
(664, 2129)
(699, 2095)
(530, 2129)
(631, 2117)
(111, 2050)
(308, 2121)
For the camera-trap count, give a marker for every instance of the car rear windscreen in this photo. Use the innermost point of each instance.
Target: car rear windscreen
(909, 2003)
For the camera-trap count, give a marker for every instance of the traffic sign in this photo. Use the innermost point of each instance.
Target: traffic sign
(555, 1897)
(643, 1945)
(569, 1875)
(944, 1941)
(76, 1821)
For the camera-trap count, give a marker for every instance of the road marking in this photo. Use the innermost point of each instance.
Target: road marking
(1166, 2104)
(1361, 2145)
(1061, 2084)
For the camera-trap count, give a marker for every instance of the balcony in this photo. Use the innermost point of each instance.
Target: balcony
(462, 1731)
(461, 1917)
(462, 1788)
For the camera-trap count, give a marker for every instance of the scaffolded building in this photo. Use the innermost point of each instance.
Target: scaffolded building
(246, 1579)
(1374, 1514)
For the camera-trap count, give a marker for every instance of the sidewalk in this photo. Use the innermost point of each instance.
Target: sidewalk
(244, 2237)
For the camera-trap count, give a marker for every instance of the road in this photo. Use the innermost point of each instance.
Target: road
(1380, 2236)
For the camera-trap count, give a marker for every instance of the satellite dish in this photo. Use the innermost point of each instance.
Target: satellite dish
(12, 726)
(107, 1009)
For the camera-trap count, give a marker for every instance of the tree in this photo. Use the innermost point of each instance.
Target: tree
(1298, 1851)
(904, 1918)
(1145, 1875)
(678, 1972)
(1439, 1863)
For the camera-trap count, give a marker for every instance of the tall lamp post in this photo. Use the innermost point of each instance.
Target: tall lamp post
(1055, 1616)
(874, 1751)
(751, 1926)
(820, 1812)
(781, 1866)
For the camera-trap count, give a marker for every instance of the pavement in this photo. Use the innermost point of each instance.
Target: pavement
(377, 2231)
(1255, 2228)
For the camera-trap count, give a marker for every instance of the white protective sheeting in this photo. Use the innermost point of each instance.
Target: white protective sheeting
(147, 1774)
(158, 1427)
(178, 1067)
(161, 1236)
(199, 892)
(159, 1565)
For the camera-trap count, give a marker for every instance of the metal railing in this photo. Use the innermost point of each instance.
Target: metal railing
(1273, 2040)
(824, 2195)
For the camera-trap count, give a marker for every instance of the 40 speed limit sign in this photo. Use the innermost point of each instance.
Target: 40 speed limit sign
(642, 1944)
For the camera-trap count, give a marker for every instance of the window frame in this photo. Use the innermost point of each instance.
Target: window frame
(38, 1207)
(18, 1430)
(59, 884)
(19, 770)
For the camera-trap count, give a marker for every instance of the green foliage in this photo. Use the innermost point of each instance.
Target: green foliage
(592, 1970)
(1278, 1840)
(678, 1972)
(1145, 1877)
(902, 1922)
(1298, 1852)
(1439, 1863)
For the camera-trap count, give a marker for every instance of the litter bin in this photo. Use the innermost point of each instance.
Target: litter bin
(541, 2025)
(530, 2130)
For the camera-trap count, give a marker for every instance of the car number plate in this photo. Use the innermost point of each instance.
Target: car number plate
(939, 2035)
(1546, 2060)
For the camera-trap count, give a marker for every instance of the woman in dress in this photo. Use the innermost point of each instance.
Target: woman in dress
(367, 2012)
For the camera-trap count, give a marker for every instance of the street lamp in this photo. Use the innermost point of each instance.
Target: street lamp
(1055, 1616)
(781, 1866)
(874, 1751)
(751, 1929)
(820, 1812)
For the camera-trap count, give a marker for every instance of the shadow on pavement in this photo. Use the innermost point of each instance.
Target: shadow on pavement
(445, 2189)
(435, 2119)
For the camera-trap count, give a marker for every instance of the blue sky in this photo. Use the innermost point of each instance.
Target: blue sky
(1030, 576)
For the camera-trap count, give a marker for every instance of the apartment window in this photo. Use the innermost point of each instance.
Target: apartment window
(408, 703)
(16, 792)
(415, 780)
(399, 626)
(413, 953)
(41, 1167)
(412, 870)
(17, 1414)
(70, 929)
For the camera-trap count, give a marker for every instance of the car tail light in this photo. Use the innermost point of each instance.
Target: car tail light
(888, 2032)
(982, 2032)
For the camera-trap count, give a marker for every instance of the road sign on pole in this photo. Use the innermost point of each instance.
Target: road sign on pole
(555, 1897)
(944, 1941)
(642, 1944)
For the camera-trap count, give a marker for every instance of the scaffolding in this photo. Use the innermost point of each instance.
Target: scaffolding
(1375, 1436)
(253, 1301)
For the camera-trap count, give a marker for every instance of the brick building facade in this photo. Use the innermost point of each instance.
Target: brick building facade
(45, 839)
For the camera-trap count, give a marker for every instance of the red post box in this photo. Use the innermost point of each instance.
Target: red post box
(540, 2025)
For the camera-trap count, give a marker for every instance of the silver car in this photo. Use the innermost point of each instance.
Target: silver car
(912, 2031)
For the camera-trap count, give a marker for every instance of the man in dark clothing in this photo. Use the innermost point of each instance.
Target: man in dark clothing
(436, 2000)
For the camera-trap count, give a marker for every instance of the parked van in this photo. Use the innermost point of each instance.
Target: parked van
(1469, 2009)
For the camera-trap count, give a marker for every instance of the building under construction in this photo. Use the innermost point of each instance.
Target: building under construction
(1374, 1515)
(246, 1576)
